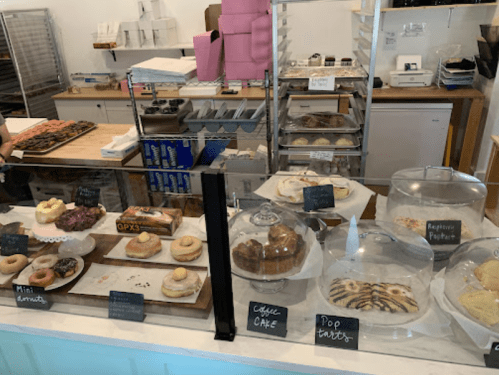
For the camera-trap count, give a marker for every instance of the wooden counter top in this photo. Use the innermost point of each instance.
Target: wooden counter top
(251, 93)
(85, 150)
(432, 92)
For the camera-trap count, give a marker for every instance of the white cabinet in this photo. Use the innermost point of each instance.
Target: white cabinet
(88, 110)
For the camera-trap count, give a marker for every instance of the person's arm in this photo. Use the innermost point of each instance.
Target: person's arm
(7, 144)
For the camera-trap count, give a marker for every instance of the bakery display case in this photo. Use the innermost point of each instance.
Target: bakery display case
(377, 272)
(420, 195)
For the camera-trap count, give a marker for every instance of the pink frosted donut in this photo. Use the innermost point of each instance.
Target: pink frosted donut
(43, 278)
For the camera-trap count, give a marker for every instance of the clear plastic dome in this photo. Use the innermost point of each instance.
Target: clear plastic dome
(267, 243)
(472, 281)
(436, 193)
(377, 272)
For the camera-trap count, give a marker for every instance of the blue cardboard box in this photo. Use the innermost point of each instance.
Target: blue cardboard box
(152, 153)
(186, 153)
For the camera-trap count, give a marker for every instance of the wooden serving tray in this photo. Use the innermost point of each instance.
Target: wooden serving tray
(104, 244)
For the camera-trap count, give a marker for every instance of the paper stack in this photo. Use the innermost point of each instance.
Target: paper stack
(161, 69)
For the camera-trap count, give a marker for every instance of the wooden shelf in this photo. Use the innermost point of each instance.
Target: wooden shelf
(452, 6)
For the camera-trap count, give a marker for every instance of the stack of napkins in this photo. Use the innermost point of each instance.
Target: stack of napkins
(160, 69)
(121, 145)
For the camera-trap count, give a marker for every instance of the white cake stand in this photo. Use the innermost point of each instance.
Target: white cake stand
(78, 243)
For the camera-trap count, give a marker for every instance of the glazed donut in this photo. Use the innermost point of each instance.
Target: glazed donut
(66, 267)
(49, 211)
(13, 264)
(43, 278)
(186, 249)
(45, 261)
(180, 283)
(143, 246)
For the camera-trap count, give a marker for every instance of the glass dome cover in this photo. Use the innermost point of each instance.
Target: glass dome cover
(267, 243)
(472, 281)
(377, 272)
(418, 195)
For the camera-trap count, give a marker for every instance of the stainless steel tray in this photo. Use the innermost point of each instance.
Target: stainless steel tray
(349, 126)
(340, 73)
(57, 145)
(287, 141)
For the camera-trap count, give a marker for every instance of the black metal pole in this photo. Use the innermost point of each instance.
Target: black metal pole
(217, 231)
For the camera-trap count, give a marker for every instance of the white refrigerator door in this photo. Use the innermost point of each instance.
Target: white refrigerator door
(405, 135)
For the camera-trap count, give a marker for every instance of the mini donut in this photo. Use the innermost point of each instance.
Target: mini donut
(180, 283)
(186, 249)
(66, 267)
(143, 246)
(43, 278)
(13, 264)
(45, 261)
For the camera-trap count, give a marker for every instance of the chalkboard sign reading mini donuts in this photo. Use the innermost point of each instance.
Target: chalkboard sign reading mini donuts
(86, 196)
(31, 297)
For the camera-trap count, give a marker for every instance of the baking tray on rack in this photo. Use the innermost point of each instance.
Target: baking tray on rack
(349, 124)
(57, 145)
(287, 141)
(340, 72)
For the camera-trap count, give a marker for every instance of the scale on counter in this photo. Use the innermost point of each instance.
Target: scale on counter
(409, 73)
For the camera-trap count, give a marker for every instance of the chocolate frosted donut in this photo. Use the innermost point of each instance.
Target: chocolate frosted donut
(66, 267)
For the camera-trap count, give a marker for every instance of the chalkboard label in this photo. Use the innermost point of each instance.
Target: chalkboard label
(337, 331)
(4, 208)
(126, 306)
(14, 244)
(443, 232)
(492, 359)
(316, 197)
(88, 197)
(31, 297)
(268, 319)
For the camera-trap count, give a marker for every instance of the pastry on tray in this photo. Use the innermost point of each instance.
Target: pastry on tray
(79, 219)
(186, 249)
(488, 274)
(361, 295)
(419, 226)
(285, 249)
(482, 305)
(344, 142)
(302, 141)
(143, 246)
(181, 283)
(321, 142)
(49, 211)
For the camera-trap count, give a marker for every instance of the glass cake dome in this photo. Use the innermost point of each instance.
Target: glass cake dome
(472, 281)
(419, 195)
(267, 245)
(377, 272)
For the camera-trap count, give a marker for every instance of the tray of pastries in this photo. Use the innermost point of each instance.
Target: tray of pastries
(321, 122)
(50, 135)
(300, 73)
(320, 141)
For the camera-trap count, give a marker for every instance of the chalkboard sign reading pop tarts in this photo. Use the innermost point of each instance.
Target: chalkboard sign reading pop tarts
(316, 197)
(31, 297)
(126, 306)
(14, 244)
(492, 359)
(268, 319)
(443, 232)
(86, 196)
(337, 331)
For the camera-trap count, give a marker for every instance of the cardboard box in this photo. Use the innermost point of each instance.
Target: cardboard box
(245, 6)
(211, 15)
(158, 220)
(237, 23)
(209, 60)
(187, 153)
(238, 48)
(246, 70)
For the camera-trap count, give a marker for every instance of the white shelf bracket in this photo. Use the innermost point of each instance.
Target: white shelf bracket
(382, 23)
(450, 17)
